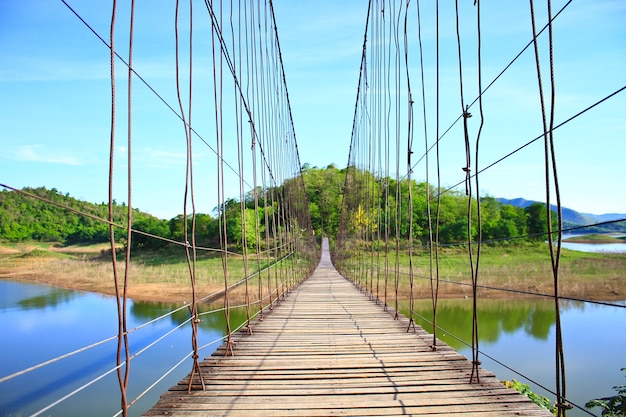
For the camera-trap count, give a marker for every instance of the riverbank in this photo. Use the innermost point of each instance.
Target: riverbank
(596, 238)
(163, 277)
(89, 268)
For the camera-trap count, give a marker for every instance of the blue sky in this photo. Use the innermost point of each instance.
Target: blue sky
(54, 97)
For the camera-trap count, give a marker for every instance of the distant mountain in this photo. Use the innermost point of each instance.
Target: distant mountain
(572, 218)
(608, 217)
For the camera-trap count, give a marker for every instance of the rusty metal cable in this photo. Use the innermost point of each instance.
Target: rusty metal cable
(493, 81)
(435, 284)
(408, 165)
(469, 193)
(551, 175)
(120, 296)
(398, 209)
(475, 275)
(189, 194)
(427, 159)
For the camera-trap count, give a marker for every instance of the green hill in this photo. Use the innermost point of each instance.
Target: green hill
(52, 216)
(575, 219)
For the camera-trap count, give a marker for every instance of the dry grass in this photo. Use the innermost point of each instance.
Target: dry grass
(85, 268)
(165, 276)
(520, 269)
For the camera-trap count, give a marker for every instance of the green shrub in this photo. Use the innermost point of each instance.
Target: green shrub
(540, 400)
(614, 406)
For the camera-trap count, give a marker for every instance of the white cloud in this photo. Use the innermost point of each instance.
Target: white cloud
(37, 153)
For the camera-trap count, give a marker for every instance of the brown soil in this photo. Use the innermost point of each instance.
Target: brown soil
(97, 277)
(38, 270)
(42, 271)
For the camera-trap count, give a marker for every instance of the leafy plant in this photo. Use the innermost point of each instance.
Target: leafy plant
(540, 400)
(614, 406)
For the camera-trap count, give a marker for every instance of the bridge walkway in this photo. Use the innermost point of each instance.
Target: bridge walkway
(327, 350)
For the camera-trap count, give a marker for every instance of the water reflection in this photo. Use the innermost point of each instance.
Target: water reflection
(51, 299)
(211, 315)
(520, 334)
(44, 322)
(25, 296)
(534, 318)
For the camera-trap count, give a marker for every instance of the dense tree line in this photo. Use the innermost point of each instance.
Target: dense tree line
(375, 202)
(57, 217)
(25, 218)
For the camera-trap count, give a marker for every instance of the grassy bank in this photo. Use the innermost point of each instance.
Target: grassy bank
(153, 276)
(525, 269)
(164, 275)
(597, 238)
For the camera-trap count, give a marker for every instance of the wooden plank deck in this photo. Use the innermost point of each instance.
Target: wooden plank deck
(328, 350)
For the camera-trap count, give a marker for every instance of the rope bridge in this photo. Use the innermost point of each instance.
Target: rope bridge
(328, 350)
(387, 217)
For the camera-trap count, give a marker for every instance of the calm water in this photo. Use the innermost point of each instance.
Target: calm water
(594, 247)
(520, 334)
(40, 322)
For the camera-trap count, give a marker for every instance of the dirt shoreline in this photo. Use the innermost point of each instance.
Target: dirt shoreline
(80, 268)
(162, 292)
(148, 292)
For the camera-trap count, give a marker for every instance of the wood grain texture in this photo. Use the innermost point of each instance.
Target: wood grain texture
(327, 350)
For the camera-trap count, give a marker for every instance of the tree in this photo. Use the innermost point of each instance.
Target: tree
(235, 228)
(152, 226)
(538, 221)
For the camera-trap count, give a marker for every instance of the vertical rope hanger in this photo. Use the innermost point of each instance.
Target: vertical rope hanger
(277, 229)
(376, 180)
(129, 208)
(398, 211)
(240, 122)
(383, 165)
(426, 147)
(468, 191)
(409, 167)
(360, 177)
(123, 367)
(269, 226)
(253, 149)
(550, 160)
(434, 286)
(257, 225)
(219, 139)
(276, 236)
(475, 348)
(278, 240)
(387, 109)
(369, 164)
(190, 241)
(266, 214)
(241, 166)
(276, 152)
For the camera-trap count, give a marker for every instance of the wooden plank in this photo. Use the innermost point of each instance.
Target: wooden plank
(329, 350)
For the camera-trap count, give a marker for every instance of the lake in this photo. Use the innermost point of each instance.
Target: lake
(521, 334)
(40, 322)
(594, 247)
